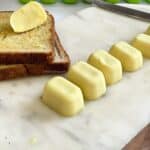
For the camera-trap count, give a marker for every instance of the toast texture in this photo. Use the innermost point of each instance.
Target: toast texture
(59, 65)
(32, 47)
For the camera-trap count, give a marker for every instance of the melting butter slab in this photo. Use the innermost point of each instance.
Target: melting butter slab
(88, 78)
(109, 65)
(63, 96)
(130, 58)
(142, 42)
(28, 17)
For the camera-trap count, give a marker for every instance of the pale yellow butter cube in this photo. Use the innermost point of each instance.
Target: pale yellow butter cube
(130, 58)
(109, 65)
(63, 96)
(142, 42)
(89, 79)
(28, 17)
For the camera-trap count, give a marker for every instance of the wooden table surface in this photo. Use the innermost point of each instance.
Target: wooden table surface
(141, 141)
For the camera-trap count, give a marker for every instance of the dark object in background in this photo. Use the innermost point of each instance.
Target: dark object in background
(130, 12)
(141, 141)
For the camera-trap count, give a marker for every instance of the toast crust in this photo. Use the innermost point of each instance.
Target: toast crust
(57, 66)
(24, 58)
(54, 67)
(13, 72)
(30, 57)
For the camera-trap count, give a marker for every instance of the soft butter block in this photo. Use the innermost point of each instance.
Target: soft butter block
(28, 17)
(109, 65)
(88, 78)
(142, 42)
(130, 58)
(63, 96)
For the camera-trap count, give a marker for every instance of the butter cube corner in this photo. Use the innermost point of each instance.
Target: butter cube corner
(63, 96)
(109, 65)
(130, 57)
(142, 42)
(89, 79)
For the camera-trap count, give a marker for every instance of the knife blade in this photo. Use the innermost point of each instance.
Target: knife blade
(137, 14)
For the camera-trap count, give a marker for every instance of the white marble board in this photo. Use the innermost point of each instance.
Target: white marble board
(105, 124)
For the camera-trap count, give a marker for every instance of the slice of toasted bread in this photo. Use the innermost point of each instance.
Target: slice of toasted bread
(32, 47)
(60, 64)
(12, 71)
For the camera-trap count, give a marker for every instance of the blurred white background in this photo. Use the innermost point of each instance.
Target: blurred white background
(59, 10)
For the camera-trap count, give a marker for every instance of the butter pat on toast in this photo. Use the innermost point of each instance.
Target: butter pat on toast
(32, 47)
(28, 17)
(60, 64)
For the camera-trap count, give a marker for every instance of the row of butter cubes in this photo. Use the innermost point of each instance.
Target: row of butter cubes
(88, 80)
